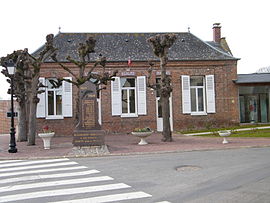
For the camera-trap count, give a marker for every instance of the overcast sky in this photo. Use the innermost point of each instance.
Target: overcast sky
(245, 23)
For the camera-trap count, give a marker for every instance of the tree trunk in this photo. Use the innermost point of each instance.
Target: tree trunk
(33, 101)
(32, 125)
(77, 110)
(22, 124)
(165, 102)
(167, 134)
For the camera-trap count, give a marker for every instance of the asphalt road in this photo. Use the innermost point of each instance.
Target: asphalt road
(239, 175)
(235, 175)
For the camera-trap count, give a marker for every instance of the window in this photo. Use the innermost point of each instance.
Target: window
(198, 94)
(128, 96)
(254, 104)
(53, 98)
(55, 102)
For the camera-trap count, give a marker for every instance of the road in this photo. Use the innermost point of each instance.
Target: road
(235, 175)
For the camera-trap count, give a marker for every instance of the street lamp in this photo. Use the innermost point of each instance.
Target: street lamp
(11, 71)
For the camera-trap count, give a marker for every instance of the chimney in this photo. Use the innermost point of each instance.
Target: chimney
(216, 32)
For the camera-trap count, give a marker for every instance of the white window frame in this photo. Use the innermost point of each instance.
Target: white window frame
(128, 92)
(47, 103)
(140, 97)
(209, 98)
(197, 112)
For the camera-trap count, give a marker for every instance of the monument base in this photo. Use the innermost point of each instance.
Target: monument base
(88, 138)
(90, 151)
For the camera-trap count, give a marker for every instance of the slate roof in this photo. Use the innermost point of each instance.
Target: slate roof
(121, 46)
(253, 78)
(218, 47)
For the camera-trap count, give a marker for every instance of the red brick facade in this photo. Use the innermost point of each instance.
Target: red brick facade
(4, 120)
(226, 97)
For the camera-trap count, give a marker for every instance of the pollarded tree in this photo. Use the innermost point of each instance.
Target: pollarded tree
(27, 81)
(160, 45)
(85, 72)
(19, 88)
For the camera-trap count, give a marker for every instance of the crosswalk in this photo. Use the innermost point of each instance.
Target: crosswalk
(63, 181)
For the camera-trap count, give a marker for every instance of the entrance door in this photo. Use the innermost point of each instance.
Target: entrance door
(252, 102)
(159, 115)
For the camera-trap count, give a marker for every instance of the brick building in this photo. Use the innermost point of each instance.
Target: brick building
(204, 94)
(5, 122)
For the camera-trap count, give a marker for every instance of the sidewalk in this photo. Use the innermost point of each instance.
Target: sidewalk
(127, 145)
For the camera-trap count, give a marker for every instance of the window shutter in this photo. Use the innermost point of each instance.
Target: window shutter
(210, 94)
(116, 97)
(41, 110)
(141, 89)
(67, 98)
(186, 104)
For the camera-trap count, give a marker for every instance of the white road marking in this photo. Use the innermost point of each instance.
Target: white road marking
(39, 166)
(24, 163)
(25, 171)
(163, 202)
(41, 171)
(57, 175)
(109, 198)
(54, 183)
(59, 192)
(9, 161)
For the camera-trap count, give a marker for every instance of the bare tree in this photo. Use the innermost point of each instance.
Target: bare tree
(19, 89)
(27, 85)
(86, 74)
(160, 45)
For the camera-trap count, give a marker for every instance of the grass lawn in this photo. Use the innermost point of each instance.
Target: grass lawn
(249, 133)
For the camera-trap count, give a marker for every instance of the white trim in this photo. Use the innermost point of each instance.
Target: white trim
(198, 114)
(141, 95)
(116, 97)
(126, 115)
(99, 109)
(210, 93)
(128, 89)
(197, 100)
(67, 98)
(54, 117)
(159, 121)
(41, 106)
(186, 98)
(54, 99)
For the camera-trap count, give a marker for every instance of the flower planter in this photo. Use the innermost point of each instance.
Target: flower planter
(46, 137)
(142, 136)
(224, 134)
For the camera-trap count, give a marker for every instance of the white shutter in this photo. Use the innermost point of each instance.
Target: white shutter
(141, 89)
(67, 98)
(210, 94)
(186, 104)
(116, 96)
(41, 110)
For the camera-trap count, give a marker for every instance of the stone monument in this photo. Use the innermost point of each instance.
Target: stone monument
(88, 131)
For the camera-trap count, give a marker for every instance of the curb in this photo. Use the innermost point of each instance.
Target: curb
(131, 153)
